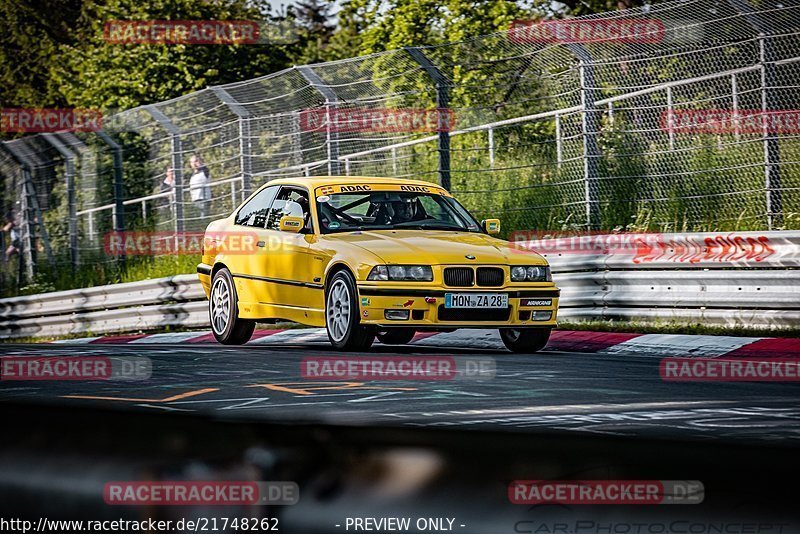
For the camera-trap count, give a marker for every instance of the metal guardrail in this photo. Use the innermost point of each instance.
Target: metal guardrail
(745, 279)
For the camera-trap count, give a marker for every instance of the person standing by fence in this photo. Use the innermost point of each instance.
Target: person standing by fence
(200, 185)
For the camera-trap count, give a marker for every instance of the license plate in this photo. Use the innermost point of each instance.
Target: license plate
(476, 300)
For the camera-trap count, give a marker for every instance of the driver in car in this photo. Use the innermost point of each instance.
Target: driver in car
(400, 210)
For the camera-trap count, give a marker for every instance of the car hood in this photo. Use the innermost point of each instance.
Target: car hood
(437, 247)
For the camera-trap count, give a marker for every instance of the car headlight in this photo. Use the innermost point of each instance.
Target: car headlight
(531, 273)
(402, 273)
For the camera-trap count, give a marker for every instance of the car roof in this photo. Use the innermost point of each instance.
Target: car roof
(313, 182)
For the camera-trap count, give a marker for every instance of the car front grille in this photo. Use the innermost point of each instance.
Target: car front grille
(490, 276)
(459, 276)
(467, 276)
(473, 314)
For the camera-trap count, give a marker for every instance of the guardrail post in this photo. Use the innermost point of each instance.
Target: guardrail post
(442, 85)
(119, 192)
(72, 218)
(331, 101)
(245, 144)
(769, 102)
(589, 129)
(177, 161)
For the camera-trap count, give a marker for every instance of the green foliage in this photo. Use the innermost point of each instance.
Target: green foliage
(55, 54)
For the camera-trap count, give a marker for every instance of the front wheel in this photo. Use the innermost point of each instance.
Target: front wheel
(342, 319)
(223, 311)
(396, 336)
(525, 339)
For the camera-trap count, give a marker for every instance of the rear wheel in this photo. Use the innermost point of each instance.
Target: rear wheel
(525, 339)
(223, 312)
(342, 319)
(396, 336)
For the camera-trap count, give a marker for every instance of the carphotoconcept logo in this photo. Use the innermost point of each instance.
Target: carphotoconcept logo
(48, 120)
(397, 368)
(643, 492)
(18, 368)
(620, 30)
(378, 120)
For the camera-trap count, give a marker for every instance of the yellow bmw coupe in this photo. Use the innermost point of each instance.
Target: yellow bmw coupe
(367, 258)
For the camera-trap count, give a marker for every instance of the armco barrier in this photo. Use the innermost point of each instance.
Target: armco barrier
(743, 279)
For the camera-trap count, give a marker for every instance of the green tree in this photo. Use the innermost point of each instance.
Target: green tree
(316, 27)
(54, 53)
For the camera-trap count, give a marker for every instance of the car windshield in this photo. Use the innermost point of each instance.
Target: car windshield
(390, 210)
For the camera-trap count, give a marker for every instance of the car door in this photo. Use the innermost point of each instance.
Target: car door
(280, 266)
(245, 263)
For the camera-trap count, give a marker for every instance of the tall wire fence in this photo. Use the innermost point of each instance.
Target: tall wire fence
(681, 116)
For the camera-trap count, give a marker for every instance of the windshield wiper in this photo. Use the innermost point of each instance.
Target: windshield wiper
(431, 226)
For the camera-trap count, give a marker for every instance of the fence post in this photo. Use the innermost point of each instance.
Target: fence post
(245, 145)
(769, 102)
(72, 218)
(297, 141)
(671, 113)
(177, 161)
(490, 133)
(331, 100)
(119, 192)
(27, 254)
(589, 129)
(30, 209)
(442, 85)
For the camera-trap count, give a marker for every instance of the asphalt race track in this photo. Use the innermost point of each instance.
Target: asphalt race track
(564, 392)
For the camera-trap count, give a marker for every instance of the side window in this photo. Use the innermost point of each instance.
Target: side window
(254, 213)
(290, 201)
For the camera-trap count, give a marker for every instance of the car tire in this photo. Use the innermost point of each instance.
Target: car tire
(223, 311)
(396, 336)
(342, 318)
(525, 339)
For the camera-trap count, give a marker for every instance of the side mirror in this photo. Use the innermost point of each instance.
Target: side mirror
(291, 224)
(491, 226)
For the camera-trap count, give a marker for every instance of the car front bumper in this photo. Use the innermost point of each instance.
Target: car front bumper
(385, 306)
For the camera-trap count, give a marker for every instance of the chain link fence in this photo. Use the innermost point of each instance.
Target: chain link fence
(680, 116)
